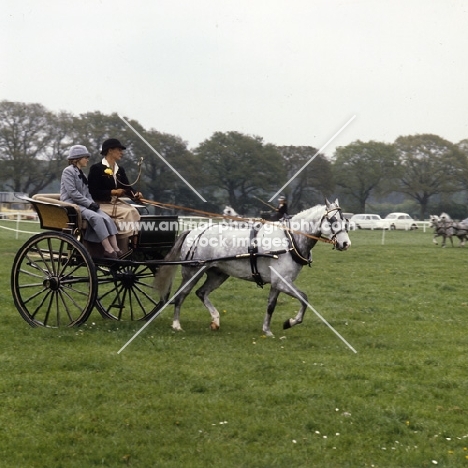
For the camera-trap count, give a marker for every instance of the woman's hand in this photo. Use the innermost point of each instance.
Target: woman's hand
(120, 192)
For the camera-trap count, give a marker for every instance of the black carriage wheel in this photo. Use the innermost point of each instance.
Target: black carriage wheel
(53, 281)
(126, 292)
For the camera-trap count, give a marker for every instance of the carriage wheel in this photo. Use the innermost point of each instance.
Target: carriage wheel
(126, 292)
(53, 281)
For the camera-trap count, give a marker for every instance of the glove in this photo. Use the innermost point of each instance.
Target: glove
(94, 206)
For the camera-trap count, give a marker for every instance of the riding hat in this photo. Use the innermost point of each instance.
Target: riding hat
(110, 144)
(78, 152)
(282, 198)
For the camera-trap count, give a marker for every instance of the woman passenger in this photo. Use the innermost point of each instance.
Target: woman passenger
(74, 189)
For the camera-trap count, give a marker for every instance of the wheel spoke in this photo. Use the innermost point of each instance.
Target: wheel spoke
(127, 288)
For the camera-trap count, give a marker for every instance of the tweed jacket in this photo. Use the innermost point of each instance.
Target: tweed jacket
(74, 189)
(101, 184)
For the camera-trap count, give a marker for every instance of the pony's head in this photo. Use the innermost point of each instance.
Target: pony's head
(334, 226)
(434, 219)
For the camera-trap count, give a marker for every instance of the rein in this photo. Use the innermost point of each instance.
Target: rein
(140, 162)
(208, 214)
(114, 201)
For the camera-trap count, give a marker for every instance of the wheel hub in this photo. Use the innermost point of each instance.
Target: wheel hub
(52, 283)
(128, 279)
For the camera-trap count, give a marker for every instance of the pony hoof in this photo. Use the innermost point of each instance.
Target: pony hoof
(214, 326)
(286, 325)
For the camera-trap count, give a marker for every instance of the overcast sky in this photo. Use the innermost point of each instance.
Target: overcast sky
(291, 71)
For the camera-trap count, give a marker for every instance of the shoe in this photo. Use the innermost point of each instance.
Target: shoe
(110, 255)
(119, 253)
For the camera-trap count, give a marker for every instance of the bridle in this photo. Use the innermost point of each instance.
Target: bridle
(334, 221)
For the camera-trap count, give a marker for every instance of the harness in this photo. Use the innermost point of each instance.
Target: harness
(253, 254)
(252, 250)
(294, 250)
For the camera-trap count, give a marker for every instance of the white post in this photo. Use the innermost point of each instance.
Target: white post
(383, 236)
(17, 224)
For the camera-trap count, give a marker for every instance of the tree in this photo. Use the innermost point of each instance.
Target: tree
(313, 183)
(240, 167)
(149, 174)
(362, 169)
(462, 165)
(162, 182)
(26, 146)
(429, 166)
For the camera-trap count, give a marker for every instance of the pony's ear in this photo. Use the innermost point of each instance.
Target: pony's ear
(336, 202)
(327, 202)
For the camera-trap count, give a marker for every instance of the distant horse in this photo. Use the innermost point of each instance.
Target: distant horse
(445, 227)
(272, 253)
(232, 218)
(230, 211)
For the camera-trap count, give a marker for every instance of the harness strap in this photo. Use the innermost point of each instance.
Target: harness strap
(253, 254)
(193, 247)
(294, 251)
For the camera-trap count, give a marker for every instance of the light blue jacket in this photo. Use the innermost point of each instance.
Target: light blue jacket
(74, 189)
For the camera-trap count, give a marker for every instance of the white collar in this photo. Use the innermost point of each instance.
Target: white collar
(116, 168)
(106, 163)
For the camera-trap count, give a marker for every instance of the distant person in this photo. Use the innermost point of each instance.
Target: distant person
(108, 182)
(74, 189)
(282, 210)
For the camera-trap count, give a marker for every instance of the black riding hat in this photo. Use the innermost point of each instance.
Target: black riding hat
(111, 143)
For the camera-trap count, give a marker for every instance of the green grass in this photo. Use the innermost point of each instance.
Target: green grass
(234, 398)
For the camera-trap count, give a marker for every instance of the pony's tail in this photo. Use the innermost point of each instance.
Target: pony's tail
(165, 275)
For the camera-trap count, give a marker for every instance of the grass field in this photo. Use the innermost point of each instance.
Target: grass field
(234, 398)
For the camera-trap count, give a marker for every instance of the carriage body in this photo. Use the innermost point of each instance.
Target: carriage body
(58, 278)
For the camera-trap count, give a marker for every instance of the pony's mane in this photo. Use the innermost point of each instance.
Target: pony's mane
(445, 215)
(310, 212)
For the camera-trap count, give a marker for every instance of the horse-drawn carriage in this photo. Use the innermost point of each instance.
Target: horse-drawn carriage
(57, 279)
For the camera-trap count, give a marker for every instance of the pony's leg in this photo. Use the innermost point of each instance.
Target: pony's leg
(300, 315)
(272, 300)
(434, 239)
(182, 293)
(283, 287)
(214, 279)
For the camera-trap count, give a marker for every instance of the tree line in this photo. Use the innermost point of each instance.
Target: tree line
(231, 168)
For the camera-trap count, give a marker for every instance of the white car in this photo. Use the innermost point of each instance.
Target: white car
(368, 221)
(401, 221)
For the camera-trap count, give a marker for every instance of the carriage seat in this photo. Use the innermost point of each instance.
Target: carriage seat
(56, 214)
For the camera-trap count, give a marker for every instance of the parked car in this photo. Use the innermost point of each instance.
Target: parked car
(368, 221)
(401, 221)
